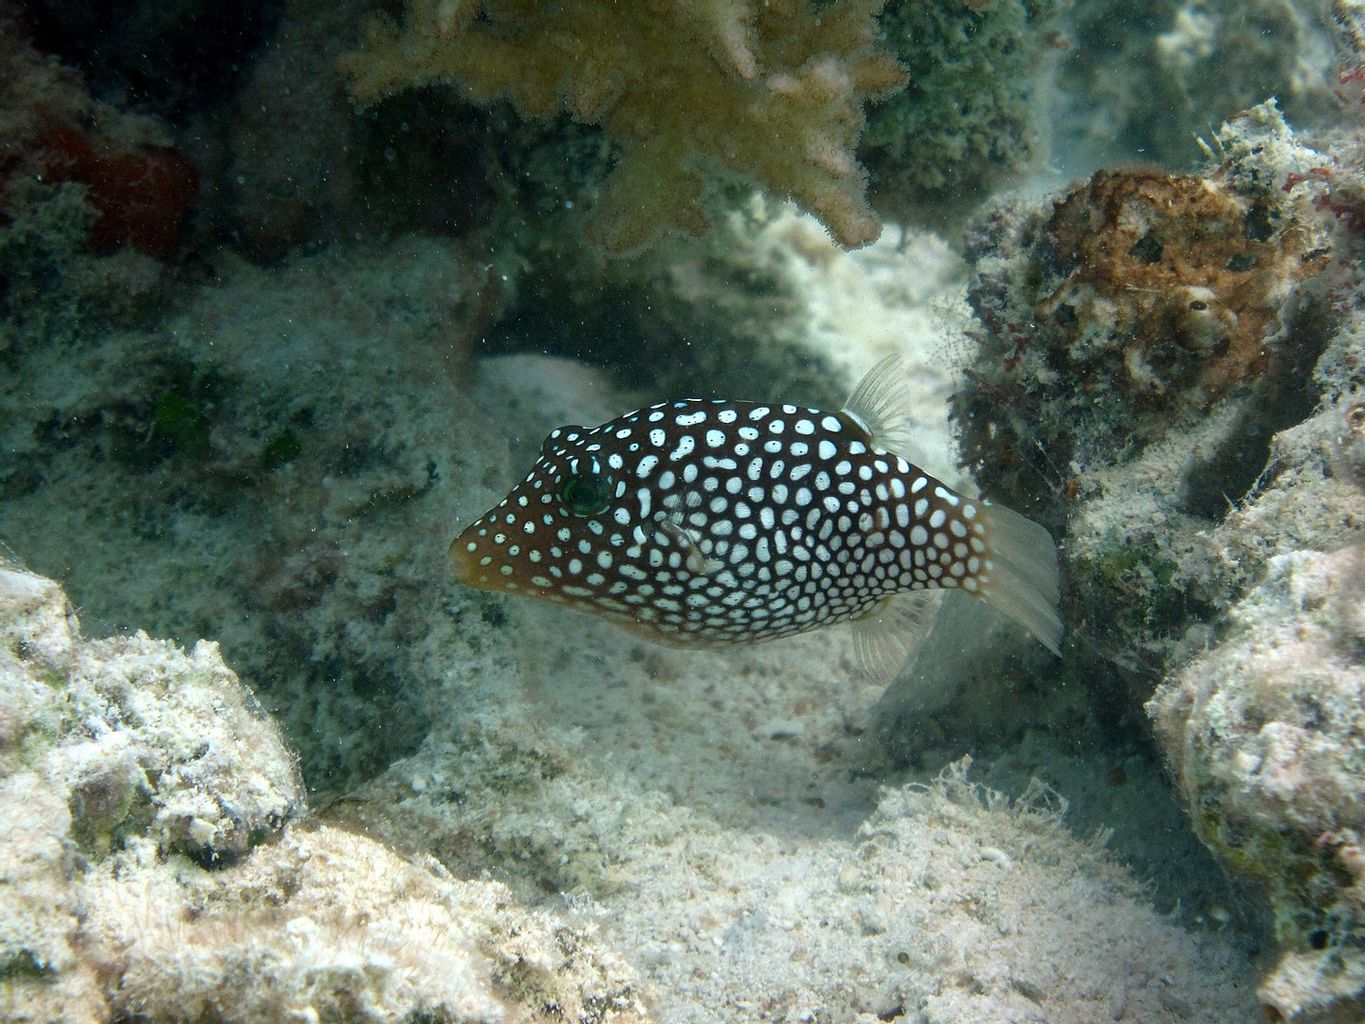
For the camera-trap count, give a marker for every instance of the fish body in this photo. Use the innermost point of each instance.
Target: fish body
(720, 522)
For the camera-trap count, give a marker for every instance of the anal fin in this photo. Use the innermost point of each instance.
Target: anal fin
(886, 634)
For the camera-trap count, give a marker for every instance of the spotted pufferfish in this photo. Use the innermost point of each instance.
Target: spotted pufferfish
(711, 522)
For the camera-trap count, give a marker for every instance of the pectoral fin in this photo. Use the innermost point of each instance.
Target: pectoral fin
(673, 525)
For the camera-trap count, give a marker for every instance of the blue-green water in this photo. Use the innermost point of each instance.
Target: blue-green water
(290, 295)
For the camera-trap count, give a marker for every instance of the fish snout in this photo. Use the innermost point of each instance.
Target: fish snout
(463, 561)
(472, 568)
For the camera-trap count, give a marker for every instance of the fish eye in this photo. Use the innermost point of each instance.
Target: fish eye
(585, 490)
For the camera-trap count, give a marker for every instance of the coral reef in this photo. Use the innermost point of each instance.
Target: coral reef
(698, 811)
(1262, 727)
(692, 315)
(1264, 734)
(279, 459)
(117, 754)
(772, 93)
(103, 740)
(1206, 478)
(206, 430)
(332, 926)
(139, 187)
(138, 736)
(1139, 83)
(972, 115)
(79, 179)
(1178, 303)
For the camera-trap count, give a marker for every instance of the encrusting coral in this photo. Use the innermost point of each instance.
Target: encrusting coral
(1177, 277)
(1160, 293)
(772, 92)
(1142, 338)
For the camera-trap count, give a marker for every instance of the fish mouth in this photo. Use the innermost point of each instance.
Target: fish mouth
(467, 568)
(463, 562)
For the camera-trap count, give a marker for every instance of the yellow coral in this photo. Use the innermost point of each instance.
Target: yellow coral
(772, 91)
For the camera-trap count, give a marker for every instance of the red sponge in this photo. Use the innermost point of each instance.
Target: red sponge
(142, 197)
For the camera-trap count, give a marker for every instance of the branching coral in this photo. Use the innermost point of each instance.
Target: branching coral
(772, 92)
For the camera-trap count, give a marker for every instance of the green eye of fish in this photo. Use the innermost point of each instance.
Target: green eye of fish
(586, 494)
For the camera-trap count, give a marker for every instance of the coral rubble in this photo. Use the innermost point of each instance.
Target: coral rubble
(140, 787)
(770, 92)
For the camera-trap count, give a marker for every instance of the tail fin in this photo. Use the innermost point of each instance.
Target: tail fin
(1024, 582)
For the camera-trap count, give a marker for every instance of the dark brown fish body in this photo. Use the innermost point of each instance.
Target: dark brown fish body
(723, 522)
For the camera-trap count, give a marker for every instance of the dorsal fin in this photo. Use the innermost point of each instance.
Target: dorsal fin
(881, 404)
